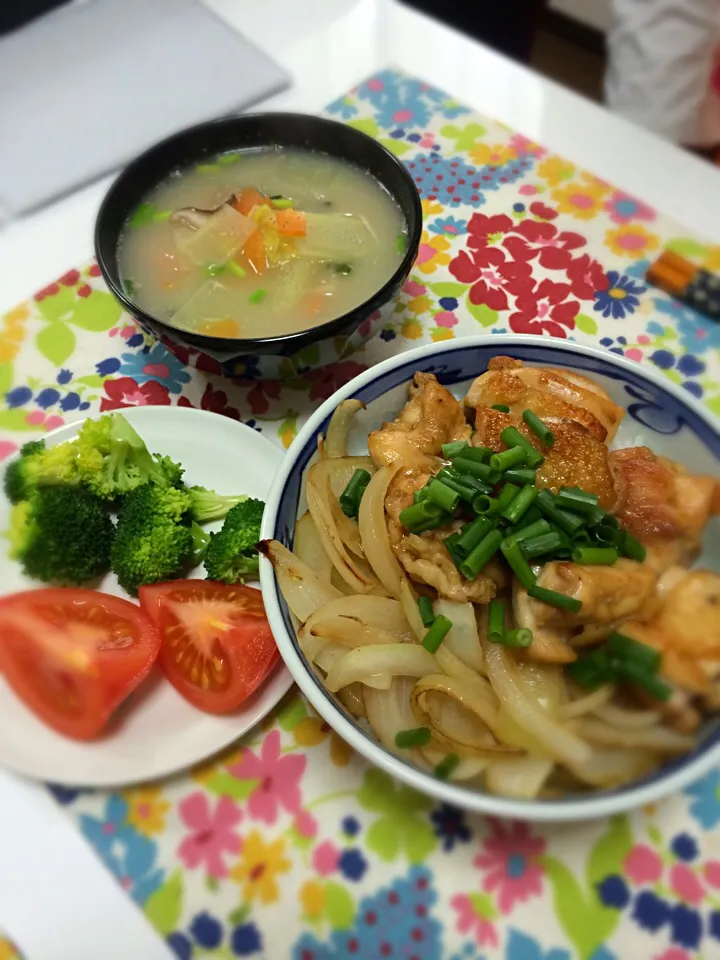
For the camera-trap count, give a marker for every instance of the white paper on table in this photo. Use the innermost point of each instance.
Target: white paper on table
(57, 900)
(88, 87)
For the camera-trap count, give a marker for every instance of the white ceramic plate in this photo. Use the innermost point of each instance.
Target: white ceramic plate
(161, 733)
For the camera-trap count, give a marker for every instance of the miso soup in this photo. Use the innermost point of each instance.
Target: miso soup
(261, 243)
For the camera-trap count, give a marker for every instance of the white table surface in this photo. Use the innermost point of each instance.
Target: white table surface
(48, 876)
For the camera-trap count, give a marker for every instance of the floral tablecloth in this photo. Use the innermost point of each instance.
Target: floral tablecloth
(290, 824)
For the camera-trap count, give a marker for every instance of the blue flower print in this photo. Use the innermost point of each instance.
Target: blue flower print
(613, 892)
(705, 805)
(638, 269)
(157, 364)
(448, 226)
(450, 826)
(649, 911)
(63, 795)
(400, 100)
(136, 340)
(344, 107)
(452, 180)
(71, 401)
(206, 931)
(620, 298)
(685, 926)
(684, 847)
(697, 333)
(350, 826)
(47, 397)
(520, 946)
(245, 940)
(128, 855)
(451, 108)
(18, 397)
(387, 334)
(180, 946)
(352, 864)
(107, 367)
(386, 924)
(65, 376)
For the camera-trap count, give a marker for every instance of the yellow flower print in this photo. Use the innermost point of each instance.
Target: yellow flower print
(312, 898)
(432, 253)
(8, 951)
(312, 730)
(555, 170)
(411, 330)
(441, 333)
(419, 304)
(12, 332)
(259, 866)
(430, 206)
(146, 810)
(712, 259)
(631, 240)
(583, 201)
(497, 154)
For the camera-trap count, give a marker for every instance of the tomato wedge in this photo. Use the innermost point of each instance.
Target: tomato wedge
(216, 644)
(73, 656)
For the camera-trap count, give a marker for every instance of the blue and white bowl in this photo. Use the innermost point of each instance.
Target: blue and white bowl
(659, 415)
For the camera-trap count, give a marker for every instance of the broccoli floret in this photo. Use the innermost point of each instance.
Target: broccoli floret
(208, 505)
(113, 458)
(15, 483)
(154, 540)
(231, 555)
(172, 471)
(61, 534)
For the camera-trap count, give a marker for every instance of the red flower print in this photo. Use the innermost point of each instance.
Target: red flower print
(492, 276)
(125, 392)
(94, 270)
(70, 278)
(586, 277)
(260, 392)
(206, 363)
(542, 240)
(216, 401)
(538, 209)
(510, 863)
(48, 291)
(324, 382)
(545, 310)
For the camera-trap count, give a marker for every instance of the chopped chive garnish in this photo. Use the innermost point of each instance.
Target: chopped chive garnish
(437, 633)
(465, 486)
(629, 650)
(573, 498)
(486, 506)
(206, 167)
(496, 621)
(521, 475)
(592, 671)
(213, 269)
(569, 522)
(352, 494)
(629, 670)
(555, 599)
(129, 287)
(426, 611)
(606, 535)
(521, 637)
(482, 554)
(597, 556)
(419, 513)
(160, 216)
(508, 494)
(543, 432)
(596, 516)
(518, 564)
(474, 469)
(235, 268)
(227, 158)
(451, 543)
(581, 538)
(472, 533)
(420, 495)
(401, 243)
(541, 545)
(500, 407)
(258, 296)
(419, 737)
(632, 548)
(535, 529)
(145, 213)
(513, 457)
(442, 495)
(282, 203)
(512, 437)
(520, 503)
(446, 766)
(478, 454)
(452, 450)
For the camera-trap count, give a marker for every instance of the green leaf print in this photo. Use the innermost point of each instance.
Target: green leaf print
(92, 380)
(15, 420)
(58, 306)
(714, 405)
(164, 907)
(481, 312)
(483, 906)
(339, 906)
(465, 137)
(399, 829)
(239, 915)
(585, 920)
(398, 147)
(56, 342)
(293, 713)
(688, 247)
(448, 289)
(586, 324)
(225, 785)
(7, 375)
(365, 125)
(96, 313)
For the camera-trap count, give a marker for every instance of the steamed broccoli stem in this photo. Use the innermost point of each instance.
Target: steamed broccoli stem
(232, 553)
(208, 505)
(200, 541)
(128, 450)
(61, 534)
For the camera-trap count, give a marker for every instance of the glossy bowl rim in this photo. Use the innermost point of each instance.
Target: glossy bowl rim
(252, 344)
(584, 808)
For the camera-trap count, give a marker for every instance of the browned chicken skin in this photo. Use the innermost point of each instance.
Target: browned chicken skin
(426, 559)
(430, 418)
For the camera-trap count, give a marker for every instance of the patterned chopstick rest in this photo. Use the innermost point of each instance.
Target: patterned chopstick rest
(687, 282)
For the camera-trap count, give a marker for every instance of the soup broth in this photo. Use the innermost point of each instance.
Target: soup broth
(261, 243)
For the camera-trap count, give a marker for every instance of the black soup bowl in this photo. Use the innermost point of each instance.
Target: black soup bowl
(261, 357)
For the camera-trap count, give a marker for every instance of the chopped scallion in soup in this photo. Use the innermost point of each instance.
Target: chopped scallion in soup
(261, 243)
